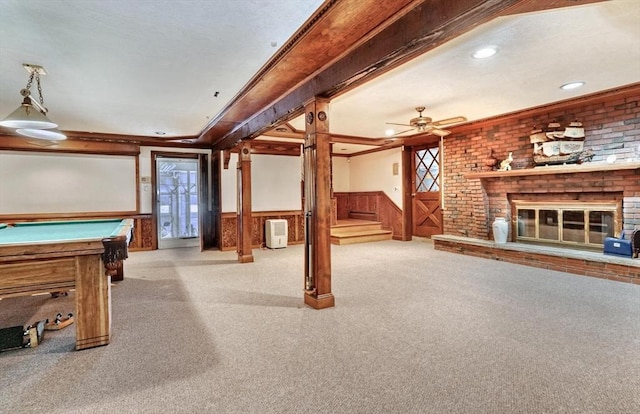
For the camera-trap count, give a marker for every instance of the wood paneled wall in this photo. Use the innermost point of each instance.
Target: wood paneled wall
(295, 227)
(370, 205)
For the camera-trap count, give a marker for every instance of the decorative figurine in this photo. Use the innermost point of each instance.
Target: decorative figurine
(554, 146)
(505, 165)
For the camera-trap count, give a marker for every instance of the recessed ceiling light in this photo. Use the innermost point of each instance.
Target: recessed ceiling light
(485, 52)
(389, 132)
(572, 85)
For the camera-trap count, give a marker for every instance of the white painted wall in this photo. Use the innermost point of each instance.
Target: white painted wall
(41, 183)
(275, 183)
(275, 180)
(341, 174)
(374, 172)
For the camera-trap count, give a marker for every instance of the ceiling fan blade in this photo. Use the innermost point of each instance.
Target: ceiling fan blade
(402, 132)
(440, 132)
(450, 121)
(393, 123)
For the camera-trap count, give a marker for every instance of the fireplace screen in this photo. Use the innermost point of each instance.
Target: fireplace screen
(577, 224)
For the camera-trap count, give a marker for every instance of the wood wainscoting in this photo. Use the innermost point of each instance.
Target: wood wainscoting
(295, 227)
(370, 205)
(144, 233)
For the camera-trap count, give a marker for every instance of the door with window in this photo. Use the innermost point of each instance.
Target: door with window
(177, 203)
(426, 182)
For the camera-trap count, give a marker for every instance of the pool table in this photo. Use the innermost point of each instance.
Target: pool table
(48, 256)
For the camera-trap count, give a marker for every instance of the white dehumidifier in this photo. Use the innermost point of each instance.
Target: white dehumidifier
(276, 233)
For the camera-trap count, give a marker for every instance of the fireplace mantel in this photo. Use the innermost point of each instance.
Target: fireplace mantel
(557, 169)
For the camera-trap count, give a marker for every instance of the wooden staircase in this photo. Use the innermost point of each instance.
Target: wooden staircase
(358, 231)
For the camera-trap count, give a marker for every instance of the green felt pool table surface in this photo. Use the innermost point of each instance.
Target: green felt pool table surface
(54, 256)
(58, 231)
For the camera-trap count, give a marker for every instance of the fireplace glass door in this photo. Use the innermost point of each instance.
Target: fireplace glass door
(575, 224)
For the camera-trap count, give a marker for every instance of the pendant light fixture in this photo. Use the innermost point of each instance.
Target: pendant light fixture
(52, 134)
(30, 119)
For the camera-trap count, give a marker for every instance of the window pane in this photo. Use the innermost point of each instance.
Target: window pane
(178, 199)
(526, 223)
(573, 226)
(600, 226)
(548, 223)
(427, 170)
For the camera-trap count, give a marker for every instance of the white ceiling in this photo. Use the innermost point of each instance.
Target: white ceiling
(135, 67)
(140, 66)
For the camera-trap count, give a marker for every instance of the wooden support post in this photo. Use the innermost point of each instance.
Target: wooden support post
(245, 227)
(407, 194)
(334, 202)
(317, 191)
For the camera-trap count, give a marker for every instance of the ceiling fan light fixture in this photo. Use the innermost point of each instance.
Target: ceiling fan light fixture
(47, 134)
(485, 52)
(572, 85)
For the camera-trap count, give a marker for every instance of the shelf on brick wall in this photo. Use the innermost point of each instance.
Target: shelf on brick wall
(557, 169)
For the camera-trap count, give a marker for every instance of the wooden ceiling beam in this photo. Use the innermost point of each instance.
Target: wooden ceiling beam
(428, 25)
(321, 40)
(348, 43)
(541, 5)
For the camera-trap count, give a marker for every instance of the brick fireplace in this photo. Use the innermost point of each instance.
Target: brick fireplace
(474, 194)
(591, 184)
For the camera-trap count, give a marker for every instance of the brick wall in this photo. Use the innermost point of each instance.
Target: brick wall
(612, 126)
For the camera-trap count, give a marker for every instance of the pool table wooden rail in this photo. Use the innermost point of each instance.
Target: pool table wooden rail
(49, 266)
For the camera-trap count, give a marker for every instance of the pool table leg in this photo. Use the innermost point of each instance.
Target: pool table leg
(93, 302)
(118, 275)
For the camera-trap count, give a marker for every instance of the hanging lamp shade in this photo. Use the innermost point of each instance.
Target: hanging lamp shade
(26, 116)
(49, 134)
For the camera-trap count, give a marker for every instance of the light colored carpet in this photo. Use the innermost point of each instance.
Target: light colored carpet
(414, 330)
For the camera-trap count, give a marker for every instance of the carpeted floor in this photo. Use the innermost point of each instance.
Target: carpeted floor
(414, 330)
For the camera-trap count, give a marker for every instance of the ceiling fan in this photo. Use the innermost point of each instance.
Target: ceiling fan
(426, 124)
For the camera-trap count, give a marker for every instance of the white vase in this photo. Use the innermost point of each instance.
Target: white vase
(500, 230)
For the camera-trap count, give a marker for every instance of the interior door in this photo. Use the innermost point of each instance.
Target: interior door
(426, 204)
(177, 202)
(208, 201)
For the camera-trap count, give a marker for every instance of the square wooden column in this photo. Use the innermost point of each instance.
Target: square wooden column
(244, 219)
(407, 193)
(317, 209)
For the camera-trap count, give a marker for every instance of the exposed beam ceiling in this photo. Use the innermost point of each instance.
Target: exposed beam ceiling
(121, 70)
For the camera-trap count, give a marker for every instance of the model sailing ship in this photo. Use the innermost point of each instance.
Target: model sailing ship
(555, 145)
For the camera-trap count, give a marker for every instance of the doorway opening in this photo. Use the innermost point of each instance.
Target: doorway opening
(177, 202)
